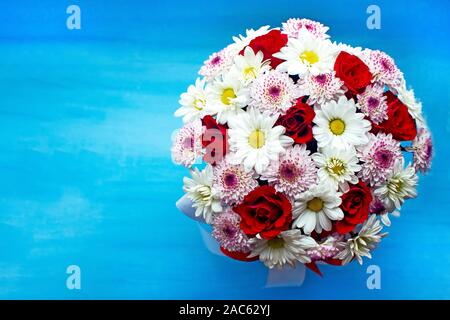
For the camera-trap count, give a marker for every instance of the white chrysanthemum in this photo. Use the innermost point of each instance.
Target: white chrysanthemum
(321, 88)
(307, 54)
(339, 125)
(295, 172)
(293, 26)
(226, 97)
(289, 247)
(337, 167)
(217, 64)
(316, 208)
(414, 107)
(361, 245)
(241, 41)
(400, 185)
(233, 182)
(187, 146)
(193, 102)
(199, 189)
(254, 141)
(250, 65)
(273, 92)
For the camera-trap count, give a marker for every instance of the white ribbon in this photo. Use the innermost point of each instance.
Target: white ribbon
(284, 277)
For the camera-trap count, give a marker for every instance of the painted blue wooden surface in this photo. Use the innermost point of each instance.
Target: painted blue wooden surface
(85, 170)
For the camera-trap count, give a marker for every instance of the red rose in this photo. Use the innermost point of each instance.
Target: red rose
(264, 211)
(214, 140)
(399, 123)
(352, 71)
(269, 44)
(355, 205)
(298, 122)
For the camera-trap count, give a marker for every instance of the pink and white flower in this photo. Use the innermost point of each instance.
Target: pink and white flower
(422, 148)
(321, 88)
(233, 182)
(293, 26)
(294, 173)
(378, 157)
(373, 103)
(273, 92)
(227, 232)
(187, 146)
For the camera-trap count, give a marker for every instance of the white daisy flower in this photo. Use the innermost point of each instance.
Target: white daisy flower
(254, 141)
(199, 189)
(250, 65)
(226, 97)
(193, 102)
(316, 208)
(400, 185)
(337, 167)
(289, 247)
(241, 41)
(360, 246)
(307, 54)
(414, 107)
(293, 173)
(339, 125)
(273, 92)
(356, 51)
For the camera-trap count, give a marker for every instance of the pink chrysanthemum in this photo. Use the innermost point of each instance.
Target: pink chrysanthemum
(233, 182)
(293, 26)
(227, 232)
(327, 249)
(383, 68)
(379, 157)
(422, 151)
(293, 173)
(373, 103)
(216, 64)
(321, 88)
(187, 146)
(273, 92)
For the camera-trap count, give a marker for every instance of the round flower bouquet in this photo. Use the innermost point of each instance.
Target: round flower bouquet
(298, 147)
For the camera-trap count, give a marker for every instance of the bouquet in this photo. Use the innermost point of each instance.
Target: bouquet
(299, 148)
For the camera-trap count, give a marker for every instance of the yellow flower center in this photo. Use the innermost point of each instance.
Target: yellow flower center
(315, 204)
(256, 139)
(309, 56)
(198, 104)
(336, 166)
(250, 72)
(337, 127)
(228, 94)
(395, 185)
(276, 243)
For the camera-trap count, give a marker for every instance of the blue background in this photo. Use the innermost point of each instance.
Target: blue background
(86, 118)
